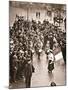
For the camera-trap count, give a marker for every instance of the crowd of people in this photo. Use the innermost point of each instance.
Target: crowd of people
(29, 37)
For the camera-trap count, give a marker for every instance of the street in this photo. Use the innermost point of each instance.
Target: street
(37, 52)
(41, 77)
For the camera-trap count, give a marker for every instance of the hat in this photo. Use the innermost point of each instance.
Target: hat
(15, 57)
(48, 51)
(28, 58)
(21, 51)
(26, 52)
(24, 58)
(29, 61)
(40, 50)
(11, 42)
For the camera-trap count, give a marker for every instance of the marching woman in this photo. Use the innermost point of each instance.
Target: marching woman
(51, 59)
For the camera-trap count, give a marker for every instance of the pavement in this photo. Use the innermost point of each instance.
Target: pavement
(41, 77)
(18, 84)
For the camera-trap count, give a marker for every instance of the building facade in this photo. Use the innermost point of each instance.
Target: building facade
(36, 11)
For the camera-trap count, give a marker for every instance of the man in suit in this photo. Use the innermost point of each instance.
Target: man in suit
(28, 73)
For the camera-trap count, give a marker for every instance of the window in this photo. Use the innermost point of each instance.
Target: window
(49, 13)
(37, 14)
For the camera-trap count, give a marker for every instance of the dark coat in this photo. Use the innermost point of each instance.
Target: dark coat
(28, 70)
(28, 74)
